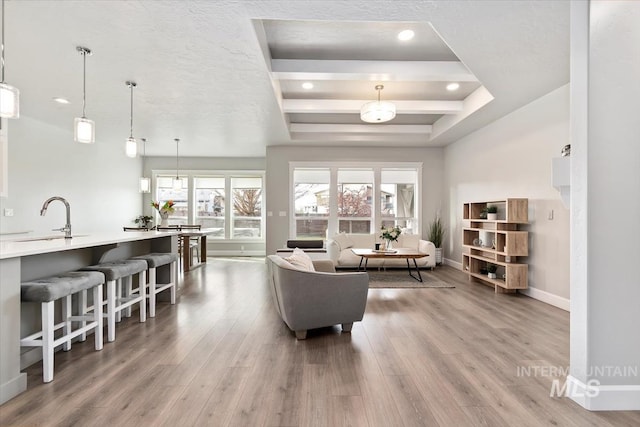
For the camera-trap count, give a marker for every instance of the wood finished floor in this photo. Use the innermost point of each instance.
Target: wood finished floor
(222, 357)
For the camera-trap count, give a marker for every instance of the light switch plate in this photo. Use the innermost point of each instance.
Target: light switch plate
(8, 212)
(282, 213)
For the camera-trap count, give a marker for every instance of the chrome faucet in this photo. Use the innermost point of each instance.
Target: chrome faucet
(67, 227)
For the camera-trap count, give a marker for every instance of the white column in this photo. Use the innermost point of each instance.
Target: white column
(605, 205)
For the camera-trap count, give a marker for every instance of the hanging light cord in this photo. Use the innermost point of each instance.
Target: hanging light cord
(2, 45)
(84, 83)
(177, 169)
(131, 85)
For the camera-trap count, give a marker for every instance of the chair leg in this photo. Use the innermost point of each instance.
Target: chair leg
(66, 314)
(82, 306)
(47, 341)
(174, 277)
(142, 279)
(152, 292)
(301, 335)
(118, 297)
(97, 315)
(128, 290)
(346, 327)
(111, 310)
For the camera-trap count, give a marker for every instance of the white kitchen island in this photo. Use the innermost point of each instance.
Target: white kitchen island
(25, 257)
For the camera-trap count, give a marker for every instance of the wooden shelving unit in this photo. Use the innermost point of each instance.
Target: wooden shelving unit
(497, 242)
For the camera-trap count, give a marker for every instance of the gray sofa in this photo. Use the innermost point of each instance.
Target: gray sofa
(308, 300)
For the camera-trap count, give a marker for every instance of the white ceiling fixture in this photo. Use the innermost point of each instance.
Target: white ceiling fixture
(9, 95)
(177, 182)
(307, 85)
(131, 146)
(378, 111)
(453, 86)
(84, 130)
(145, 182)
(61, 100)
(406, 35)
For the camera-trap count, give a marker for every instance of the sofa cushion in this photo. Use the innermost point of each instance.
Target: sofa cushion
(301, 260)
(343, 241)
(410, 241)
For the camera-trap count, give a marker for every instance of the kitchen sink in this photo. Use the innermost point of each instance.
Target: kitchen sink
(46, 238)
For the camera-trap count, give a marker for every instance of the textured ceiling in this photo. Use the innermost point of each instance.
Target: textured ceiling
(203, 76)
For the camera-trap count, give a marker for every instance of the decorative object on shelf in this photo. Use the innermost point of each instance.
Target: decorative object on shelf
(492, 213)
(177, 182)
(164, 211)
(9, 95)
(566, 150)
(477, 242)
(390, 235)
(143, 221)
(378, 111)
(483, 213)
(84, 130)
(131, 146)
(491, 271)
(436, 236)
(145, 182)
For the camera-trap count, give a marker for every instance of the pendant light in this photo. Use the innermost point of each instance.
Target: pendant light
(145, 183)
(378, 111)
(84, 129)
(9, 95)
(177, 182)
(131, 146)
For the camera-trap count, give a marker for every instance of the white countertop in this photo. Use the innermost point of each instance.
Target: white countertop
(22, 245)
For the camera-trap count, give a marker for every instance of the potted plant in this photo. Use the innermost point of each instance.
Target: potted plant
(491, 269)
(143, 221)
(436, 236)
(492, 213)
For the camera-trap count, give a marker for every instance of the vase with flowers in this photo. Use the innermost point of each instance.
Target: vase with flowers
(165, 210)
(390, 234)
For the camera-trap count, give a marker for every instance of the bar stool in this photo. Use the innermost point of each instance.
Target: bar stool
(115, 272)
(155, 260)
(61, 287)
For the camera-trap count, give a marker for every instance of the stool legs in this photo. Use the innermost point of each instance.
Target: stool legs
(154, 289)
(152, 292)
(48, 328)
(116, 303)
(111, 310)
(66, 319)
(97, 316)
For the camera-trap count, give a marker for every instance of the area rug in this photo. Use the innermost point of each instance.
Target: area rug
(401, 279)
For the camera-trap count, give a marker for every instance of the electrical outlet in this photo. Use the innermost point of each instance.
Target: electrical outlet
(8, 212)
(282, 213)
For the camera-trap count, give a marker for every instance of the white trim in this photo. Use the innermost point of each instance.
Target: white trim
(607, 397)
(538, 294)
(236, 252)
(547, 297)
(13, 387)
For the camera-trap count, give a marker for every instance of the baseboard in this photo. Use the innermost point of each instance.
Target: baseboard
(452, 263)
(235, 253)
(540, 295)
(546, 297)
(13, 387)
(604, 397)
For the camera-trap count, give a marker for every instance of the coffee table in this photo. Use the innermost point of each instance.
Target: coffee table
(366, 254)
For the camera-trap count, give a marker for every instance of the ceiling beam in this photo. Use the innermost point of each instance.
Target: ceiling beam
(418, 71)
(351, 106)
(359, 128)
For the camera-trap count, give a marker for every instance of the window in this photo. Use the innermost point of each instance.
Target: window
(210, 204)
(355, 199)
(229, 202)
(311, 202)
(247, 207)
(397, 198)
(165, 192)
(359, 198)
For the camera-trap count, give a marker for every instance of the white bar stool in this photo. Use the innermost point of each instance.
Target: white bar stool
(155, 260)
(50, 289)
(115, 272)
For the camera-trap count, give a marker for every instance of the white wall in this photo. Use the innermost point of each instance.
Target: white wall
(278, 191)
(98, 180)
(512, 158)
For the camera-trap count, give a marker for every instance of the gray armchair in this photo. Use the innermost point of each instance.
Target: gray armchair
(308, 300)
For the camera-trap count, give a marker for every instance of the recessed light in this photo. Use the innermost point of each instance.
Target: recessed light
(453, 86)
(406, 35)
(61, 100)
(307, 85)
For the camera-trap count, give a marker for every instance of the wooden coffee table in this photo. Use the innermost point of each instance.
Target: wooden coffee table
(366, 254)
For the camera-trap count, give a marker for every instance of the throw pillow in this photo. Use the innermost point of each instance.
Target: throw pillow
(343, 241)
(300, 260)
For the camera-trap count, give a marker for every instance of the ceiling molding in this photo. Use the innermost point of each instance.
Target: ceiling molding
(353, 106)
(359, 128)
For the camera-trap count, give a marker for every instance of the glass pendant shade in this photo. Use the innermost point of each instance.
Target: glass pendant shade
(145, 185)
(9, 101)
(377, 112)
(177, 183)
(131, 147)
(84, 130)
